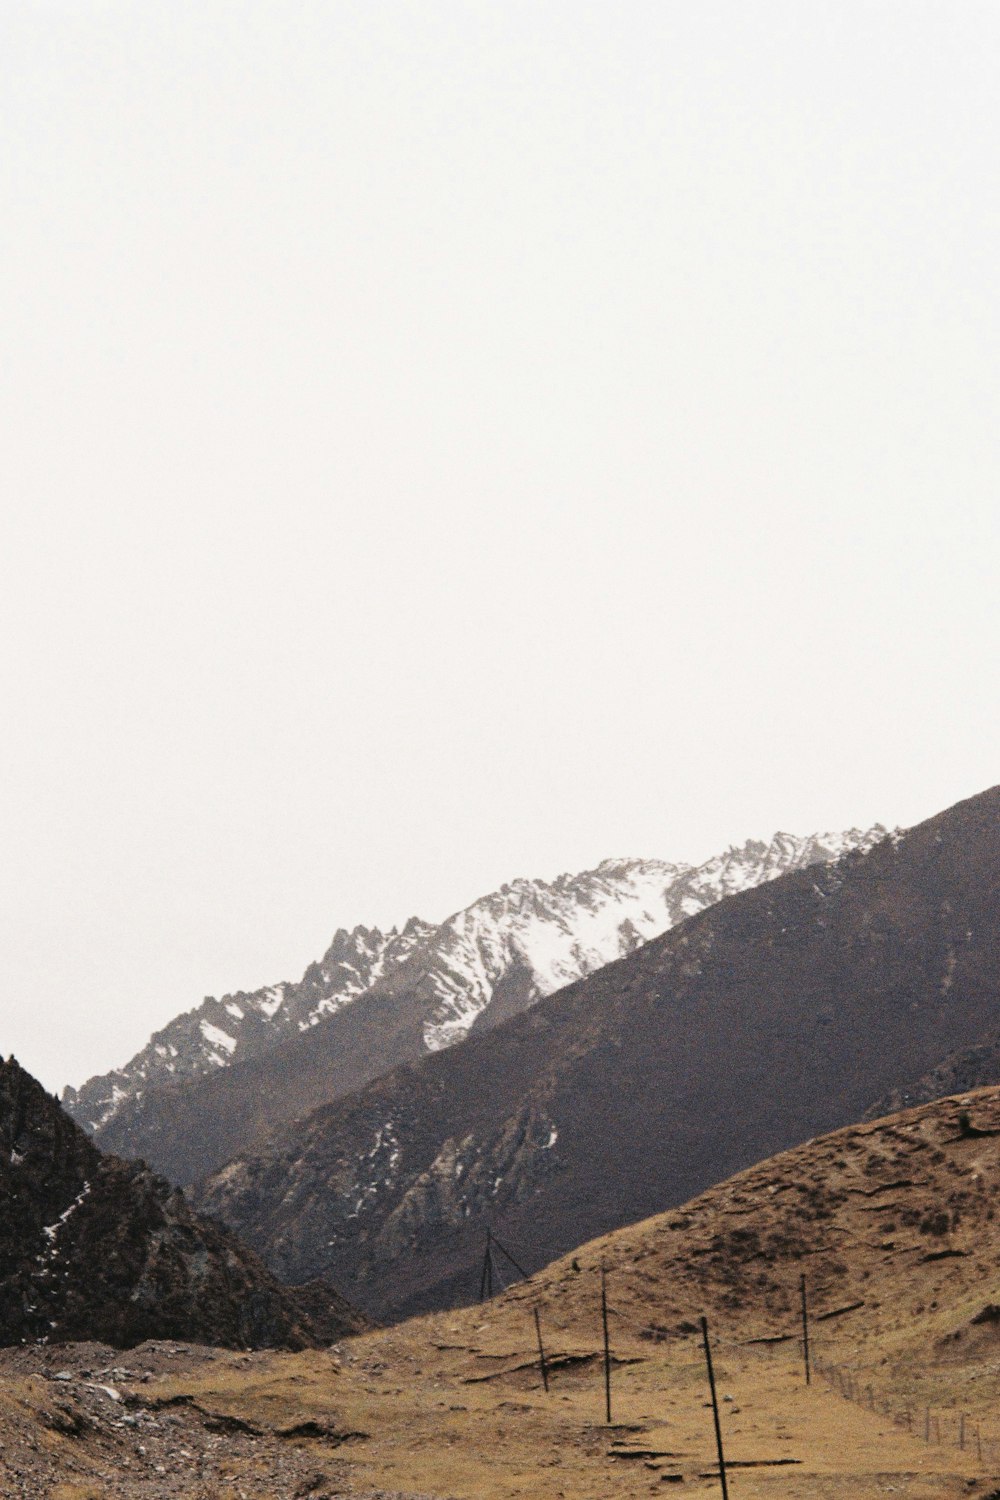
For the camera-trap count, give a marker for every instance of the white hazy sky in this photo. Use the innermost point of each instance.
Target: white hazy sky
(452, 441)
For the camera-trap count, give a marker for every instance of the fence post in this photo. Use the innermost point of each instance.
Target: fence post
(805, 1329)
(715, 1409)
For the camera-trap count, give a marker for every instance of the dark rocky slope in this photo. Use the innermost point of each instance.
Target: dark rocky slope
(92, 1247)
(777, 1014)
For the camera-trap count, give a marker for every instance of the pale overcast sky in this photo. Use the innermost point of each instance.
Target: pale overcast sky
(452, 441)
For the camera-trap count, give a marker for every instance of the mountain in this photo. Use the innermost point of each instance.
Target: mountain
(96, 1248)
(216, 1078)
(778, 1013)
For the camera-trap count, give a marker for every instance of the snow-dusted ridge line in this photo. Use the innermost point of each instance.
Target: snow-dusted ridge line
(493, 958)
(218, 1032)
(560, 931)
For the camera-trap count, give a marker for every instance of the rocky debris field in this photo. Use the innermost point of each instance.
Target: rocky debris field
(83, 1422)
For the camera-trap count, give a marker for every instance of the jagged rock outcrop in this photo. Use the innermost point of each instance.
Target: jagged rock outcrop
(218, 1033)
(92, 1247)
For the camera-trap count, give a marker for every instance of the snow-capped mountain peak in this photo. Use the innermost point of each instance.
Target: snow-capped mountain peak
(485, 963)
(532, 937)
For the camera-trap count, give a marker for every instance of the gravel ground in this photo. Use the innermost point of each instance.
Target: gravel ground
(74, 1425)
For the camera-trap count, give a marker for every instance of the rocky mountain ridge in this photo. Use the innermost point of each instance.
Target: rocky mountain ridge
(487, 962)
(219, 1032)
(776, 1014)
(92, 1247)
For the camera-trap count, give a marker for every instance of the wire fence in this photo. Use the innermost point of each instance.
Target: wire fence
(801, 1345)
(942, 1426)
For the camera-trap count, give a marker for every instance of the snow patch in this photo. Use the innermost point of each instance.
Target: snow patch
(217, 1038)
(51, 1231)
(559, 932)
(272, 1001)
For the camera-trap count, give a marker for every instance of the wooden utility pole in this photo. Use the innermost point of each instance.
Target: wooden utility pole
(486, 1280)
(805, 1330)
(607, 1345)
(715, 1409)
(541, 1351)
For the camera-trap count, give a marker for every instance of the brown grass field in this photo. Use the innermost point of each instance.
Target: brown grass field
(435, 1426)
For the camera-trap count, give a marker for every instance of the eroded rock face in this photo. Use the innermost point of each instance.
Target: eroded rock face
(92, 1247)
(469, 1178)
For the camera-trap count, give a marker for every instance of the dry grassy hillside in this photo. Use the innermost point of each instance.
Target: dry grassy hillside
(894, 1226)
